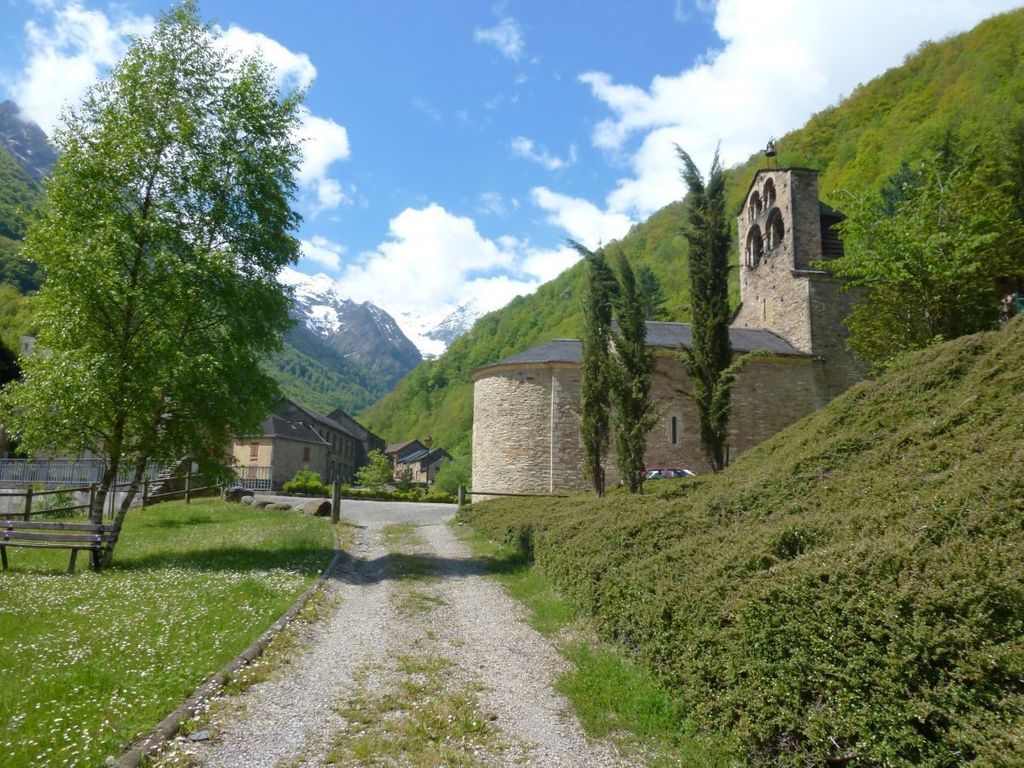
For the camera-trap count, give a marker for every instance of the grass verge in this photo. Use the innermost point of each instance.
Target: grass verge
(612, 696)
(87, 663)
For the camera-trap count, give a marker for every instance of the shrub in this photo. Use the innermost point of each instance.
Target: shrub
(376, 472)
(56, 505)
(306, 482)
(452, 474)
(405, 479)
(850, 592)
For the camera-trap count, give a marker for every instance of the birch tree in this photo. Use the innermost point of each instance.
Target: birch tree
(166, 222)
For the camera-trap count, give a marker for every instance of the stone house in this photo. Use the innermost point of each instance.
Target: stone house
(284, 446)
(423, 464)
(398, 452)
(526, 435)
(295, 436)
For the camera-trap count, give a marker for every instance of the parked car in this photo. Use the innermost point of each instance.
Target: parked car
(659, 473)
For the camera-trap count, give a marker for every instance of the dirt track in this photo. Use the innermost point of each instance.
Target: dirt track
(421, 660)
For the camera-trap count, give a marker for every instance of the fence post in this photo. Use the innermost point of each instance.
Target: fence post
(462, 496)
(92, 499)
(336, 503)
(145, 491)
(188, 487)
(28, 503)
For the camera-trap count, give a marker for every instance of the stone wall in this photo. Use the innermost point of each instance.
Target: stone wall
(287, 460)
(770, 394)
(520, 413)
(773, 293)
(567, 456)
(829, 307)
(512, 430)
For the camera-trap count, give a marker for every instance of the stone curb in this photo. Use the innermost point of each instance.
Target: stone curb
(169, 726)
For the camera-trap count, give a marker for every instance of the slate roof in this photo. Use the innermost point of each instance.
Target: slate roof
(399, 447)
(660, 335)
(327, 421)
(428, 457)
(743, 339)
(278, 427)
(555, 351)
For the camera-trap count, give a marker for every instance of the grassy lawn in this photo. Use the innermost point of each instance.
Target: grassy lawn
(89, 662)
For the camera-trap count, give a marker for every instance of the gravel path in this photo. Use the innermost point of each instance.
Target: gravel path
(416, 627)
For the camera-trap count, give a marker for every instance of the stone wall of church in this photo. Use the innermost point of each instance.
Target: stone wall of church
(829, 307)
(519, 415)
(774, 294)
(770, 394)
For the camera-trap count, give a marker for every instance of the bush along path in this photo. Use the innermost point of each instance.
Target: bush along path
(421, 660)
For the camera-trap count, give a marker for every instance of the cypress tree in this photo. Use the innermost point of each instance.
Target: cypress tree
(632, 364)
(596, 365)
(708, 360)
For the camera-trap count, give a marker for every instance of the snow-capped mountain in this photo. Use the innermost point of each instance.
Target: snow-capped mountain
(456, 323)
(434, 332)
(26, 141)
(362, 333)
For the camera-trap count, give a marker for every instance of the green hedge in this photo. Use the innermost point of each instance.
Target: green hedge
(851, 592)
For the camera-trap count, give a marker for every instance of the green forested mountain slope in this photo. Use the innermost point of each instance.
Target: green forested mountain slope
(323, 383)
(968, 89)
(19, 193)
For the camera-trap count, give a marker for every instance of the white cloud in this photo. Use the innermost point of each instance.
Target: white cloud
(294, 70)
(683, 13)
(505, 36)
(323, 143)
(524, 147)
(492, 203)
(70, 48)
(324, 252)
(322, 140)
(433, 261)
(68, 54)
(772, 72)
(581, 219)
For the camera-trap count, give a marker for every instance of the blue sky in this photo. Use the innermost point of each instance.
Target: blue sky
(452, 146)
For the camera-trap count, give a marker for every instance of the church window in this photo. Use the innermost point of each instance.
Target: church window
(675, 430)
(755, 207)
(769, 194)
(754, 248)
(775, 230)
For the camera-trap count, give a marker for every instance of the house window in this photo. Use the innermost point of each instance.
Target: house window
(675, 430)
(305, 453)
(254, 450)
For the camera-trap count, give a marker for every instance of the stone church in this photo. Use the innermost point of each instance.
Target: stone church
(526, 435)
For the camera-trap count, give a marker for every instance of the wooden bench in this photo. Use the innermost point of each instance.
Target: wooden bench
(95, 537)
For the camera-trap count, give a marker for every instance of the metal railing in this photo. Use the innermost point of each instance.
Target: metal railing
(255, 478)
(62, 472)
